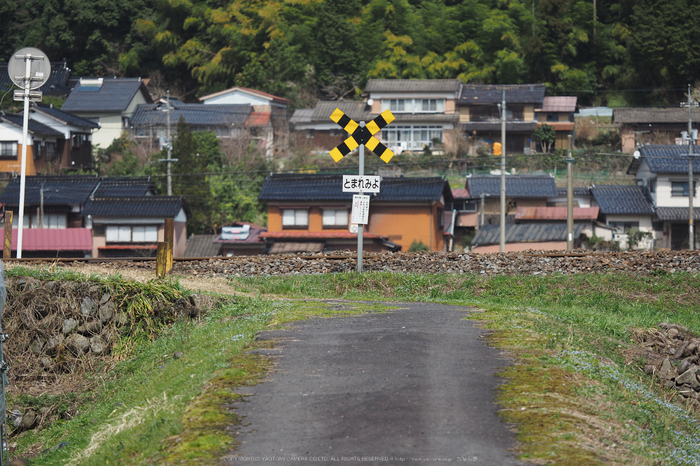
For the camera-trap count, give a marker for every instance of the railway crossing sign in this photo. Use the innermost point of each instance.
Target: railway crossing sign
(362, 135)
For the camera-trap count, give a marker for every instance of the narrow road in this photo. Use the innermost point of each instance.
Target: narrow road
(410, 386)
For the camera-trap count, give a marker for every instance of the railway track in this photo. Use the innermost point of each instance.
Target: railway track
(528, 263)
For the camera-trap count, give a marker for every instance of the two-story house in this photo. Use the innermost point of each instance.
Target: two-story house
(269, 120)
(480, 115)
(312, 213)
(662, 170)
(313, 129)
(87, 216)
(109, 102)
(558, 112)
(625, 208)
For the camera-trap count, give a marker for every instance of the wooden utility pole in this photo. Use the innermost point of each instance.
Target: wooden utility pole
(570, 197)
(7, 248)
(503, 174)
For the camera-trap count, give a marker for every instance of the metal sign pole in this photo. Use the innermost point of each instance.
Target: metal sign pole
(360, 227)
(23, 175)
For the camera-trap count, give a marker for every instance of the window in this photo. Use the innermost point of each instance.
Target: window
(129, 234)
(292, 218)
(8, 149)
(414, 105)
(337, 218)
(680, 188)
(395, 105)
(622, 227)
(55, 221)
(118, 234)
(144, 234)
(430, 105)
(50, 150)
(309, 134)
(411, 137)
(552, 117)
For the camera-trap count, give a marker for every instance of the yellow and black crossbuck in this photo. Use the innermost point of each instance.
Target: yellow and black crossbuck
(362, 135)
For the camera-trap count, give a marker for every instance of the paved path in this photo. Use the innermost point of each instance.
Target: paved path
(410, 386)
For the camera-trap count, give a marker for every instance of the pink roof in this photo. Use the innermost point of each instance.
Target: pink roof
(555, 213)
(340, 234)
(460, 193)
(559, 104)
(54, 239)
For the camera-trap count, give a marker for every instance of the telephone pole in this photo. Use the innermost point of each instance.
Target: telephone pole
(570, 197)
(691, 186)
(503, 174)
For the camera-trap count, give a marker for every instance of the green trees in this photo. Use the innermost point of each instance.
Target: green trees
(546, 136)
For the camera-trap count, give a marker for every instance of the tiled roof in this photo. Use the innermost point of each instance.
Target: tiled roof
(309, 235)
(58, 190)
(634, 115)
(265, 95)
(358, 111)
(258, 119)
(202, 246)
(525, 233)
(54, 239)
(413, 85)
(124, 188)
(329, 188)
(194, 114)
(65, 117)
(302, 115)
(460, 193)
(56, 85)
(557, 103)
(669, 159)
(511, 126)
(578, 191)
(146, 206)
(492, 94)
(555, 213)
(676, 214)
(33, 127)
(623, 200)
(114, 95)
(516, 186)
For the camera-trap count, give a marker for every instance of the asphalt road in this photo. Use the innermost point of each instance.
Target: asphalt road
(409, 386)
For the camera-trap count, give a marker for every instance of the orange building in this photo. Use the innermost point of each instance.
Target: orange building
(312, 213)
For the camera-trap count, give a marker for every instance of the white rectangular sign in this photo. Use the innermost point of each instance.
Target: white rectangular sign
(360, 209)
(357, 183)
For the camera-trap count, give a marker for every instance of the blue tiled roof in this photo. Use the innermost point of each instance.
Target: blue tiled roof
(624, 200)
(330, 188)
(580, 192)
(146, 206)
(669, 158)
(32, 126)
(491, 94)
(124, 188)
(114, 95)
(194, 114)
(525, 233)
(56, 85)
(516, 186)
(676, 214)
(65, 117)
(58, 190)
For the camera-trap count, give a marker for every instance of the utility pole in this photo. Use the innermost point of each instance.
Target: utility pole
(691, 186)
(503, 174)
(170, 146)
(570, 197)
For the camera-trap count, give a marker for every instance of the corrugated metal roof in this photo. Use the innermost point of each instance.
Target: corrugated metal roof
(559, 103)
(194, 114)
(413, 85)
(516, 186)
(54, 239)
(114, 95)
(202, 246)
(633, 115)
(302, 115)
(147, 206)
(330, 188)
(555, 213)
(460, 193)
(525, 233)
(492, 94)
(676, 214)
(293, 247)
(358, 111)
(669, 158)
(258, 119)
(622, 200)
(58, 190)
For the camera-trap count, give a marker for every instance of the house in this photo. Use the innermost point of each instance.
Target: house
(314, 130)
(425, 110)
(625, 208)
(558, 112)
(149, 123)
(57, 85)
(312, 213)
(109, 102)
(42, 143)
(526, 236)
(480, 117)
(660, 125)
(662, 171)
(87, 216)
(586, 216)
(269, 121)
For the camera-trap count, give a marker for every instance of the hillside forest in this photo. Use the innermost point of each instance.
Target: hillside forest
(626, 52)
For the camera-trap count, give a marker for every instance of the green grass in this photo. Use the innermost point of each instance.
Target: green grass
(574, 395)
